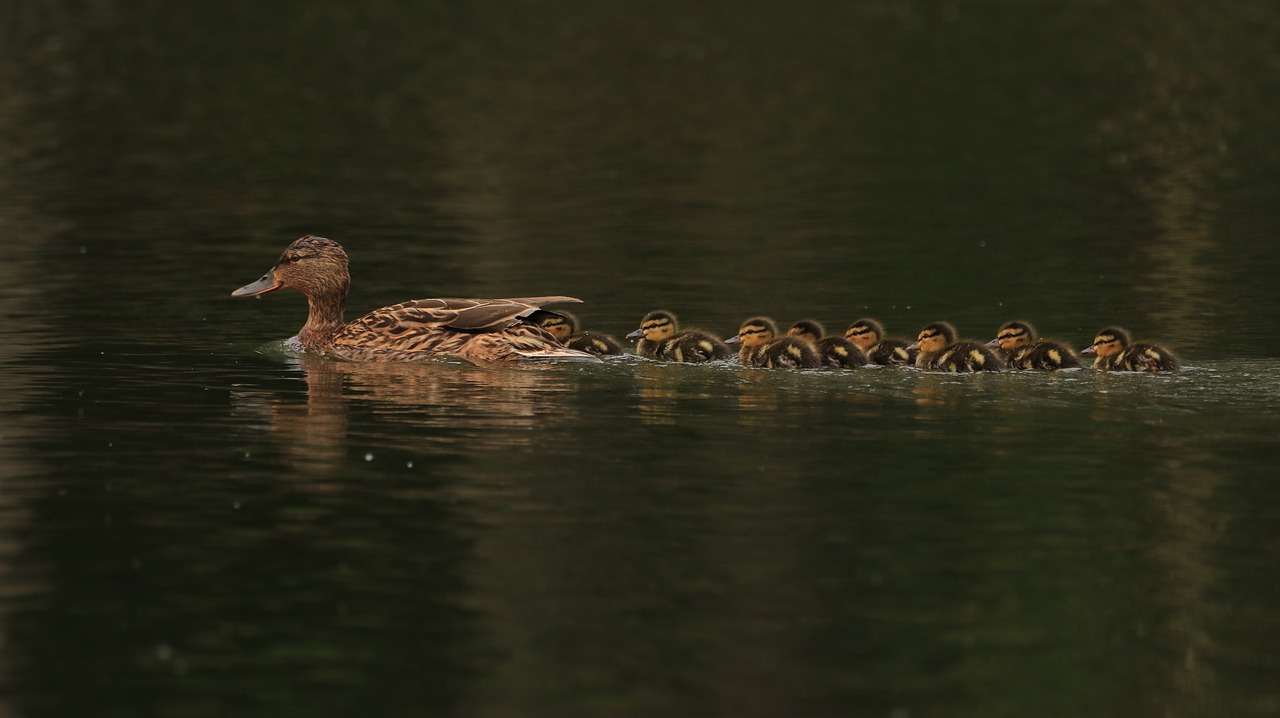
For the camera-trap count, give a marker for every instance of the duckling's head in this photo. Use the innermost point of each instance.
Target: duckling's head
(560, 324)
(656, 326)
(934, 338)
(754, 332)
(1013, 335)
(1108, 342)
(312, 265)
(808, 330)
(864, 333)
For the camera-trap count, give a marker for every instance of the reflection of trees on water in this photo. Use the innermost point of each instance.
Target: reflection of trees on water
(1174, 135)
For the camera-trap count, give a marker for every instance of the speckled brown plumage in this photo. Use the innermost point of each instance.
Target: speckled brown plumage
(869, 334)
(762, 347)
(478, 330)
(565, 328)
(1117, 352)
(660, 337)
(940, 350)
(1017, 344)
(836, 352)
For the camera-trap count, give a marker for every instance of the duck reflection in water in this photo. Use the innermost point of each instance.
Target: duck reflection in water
(447, 404)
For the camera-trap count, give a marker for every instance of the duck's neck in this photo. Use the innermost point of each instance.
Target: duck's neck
(324, 319)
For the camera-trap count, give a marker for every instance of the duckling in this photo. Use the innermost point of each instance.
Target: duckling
(835, 351)
(661, 338)
(762, 347)
(868, 334)
(1117, 352)
(564, 327)
(1017, 344)
(477, 330)
(940, 351)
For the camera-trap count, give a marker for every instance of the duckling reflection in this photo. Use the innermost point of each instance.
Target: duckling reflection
(493, 406)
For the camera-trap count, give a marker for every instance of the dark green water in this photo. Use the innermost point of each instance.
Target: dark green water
(195, 523)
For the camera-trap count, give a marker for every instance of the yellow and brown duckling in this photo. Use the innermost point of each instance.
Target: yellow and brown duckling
(1117, 352)
(660, 337)
(1016, 342)
(478, 330)
(835, 351)
(762, 347)
(941, 351)
(564, 327)
(869, 334)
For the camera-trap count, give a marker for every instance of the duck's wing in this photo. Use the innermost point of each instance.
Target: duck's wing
(469, 315)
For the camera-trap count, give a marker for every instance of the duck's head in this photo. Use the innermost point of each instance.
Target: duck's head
(808, 330)
(560, 324)
(656, 326)
(754, 332)
(1013, 335)
(864, 333)
(312, 265)
(1108, 342)
(934, 338)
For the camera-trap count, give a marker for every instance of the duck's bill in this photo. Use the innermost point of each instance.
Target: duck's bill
(913, 347)
(993, 343)
(735, 339)
(636, 334)
(268, 283)
(1089, 350)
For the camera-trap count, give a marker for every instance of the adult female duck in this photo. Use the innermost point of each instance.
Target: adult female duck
(478, 330)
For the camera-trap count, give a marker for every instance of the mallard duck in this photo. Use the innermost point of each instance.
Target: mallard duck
(868, 334)
(835, 351)
(660, 337)
(762, 347)
(1017, 344)
(478, 330)
(1116, 352)
(940, 351)
(564, 327)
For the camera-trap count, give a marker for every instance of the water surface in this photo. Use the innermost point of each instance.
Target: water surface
(196, 522)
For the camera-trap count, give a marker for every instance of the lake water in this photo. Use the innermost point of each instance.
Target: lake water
(196, 522)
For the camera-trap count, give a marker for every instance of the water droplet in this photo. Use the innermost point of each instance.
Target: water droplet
(368, 457)
(235, 505)
(409, 464)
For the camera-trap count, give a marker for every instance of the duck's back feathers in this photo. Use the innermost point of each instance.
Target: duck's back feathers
(1044, 355)
(594, 343)
(841, 353)
(692, 346)
(892, 352)
(1149, 357)
(786, 352)
(964, 356)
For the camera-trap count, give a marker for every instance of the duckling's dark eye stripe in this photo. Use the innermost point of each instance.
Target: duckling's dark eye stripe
(1109, 340)
(1011, 335)
(654, 325)
(858, 332)
(930, 335)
